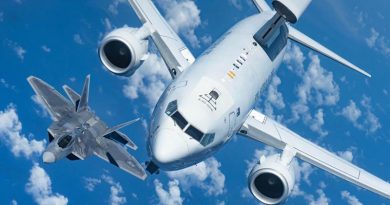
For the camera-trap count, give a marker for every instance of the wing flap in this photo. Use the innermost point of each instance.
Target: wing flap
(173, 50)
(268, 131)
(56, 104)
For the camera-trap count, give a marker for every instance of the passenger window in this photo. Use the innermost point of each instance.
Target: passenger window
(179, 119)
(64, 141)
(207, 139)
(194, 133)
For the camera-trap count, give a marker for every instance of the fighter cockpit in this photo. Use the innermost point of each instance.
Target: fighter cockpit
(64, 141)
(191, 130)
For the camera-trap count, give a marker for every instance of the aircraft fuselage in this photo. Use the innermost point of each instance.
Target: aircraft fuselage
(207, 104)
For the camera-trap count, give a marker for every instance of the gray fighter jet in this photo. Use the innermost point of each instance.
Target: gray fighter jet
(77, 132)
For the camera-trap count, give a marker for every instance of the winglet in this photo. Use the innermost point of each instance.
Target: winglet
(301, 38)
(85, 95)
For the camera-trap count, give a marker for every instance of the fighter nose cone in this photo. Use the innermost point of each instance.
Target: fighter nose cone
(169, 147)
(48, 157)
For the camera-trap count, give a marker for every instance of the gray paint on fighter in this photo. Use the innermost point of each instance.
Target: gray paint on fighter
(77, 133)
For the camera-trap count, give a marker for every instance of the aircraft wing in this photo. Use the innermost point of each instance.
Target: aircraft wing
(174, 52)
(261, 128)
(117, 155)
(56, 104)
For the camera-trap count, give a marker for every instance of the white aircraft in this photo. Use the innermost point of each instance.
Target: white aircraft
(212, 98)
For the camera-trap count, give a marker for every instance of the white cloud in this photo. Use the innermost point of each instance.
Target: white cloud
(184, 17)
(77, 39)
(1, 16)
(365, 119)
(18, 49)
(116, 190)
(352, 112)
(46, 48)
(150, 80)
(294, 58)
(170, 197)
(371, 41)
(352, 200)
(113, 7)
(236, 3)
(18, 1)
(205, 175)
(5, 84)
(14, 202)
(378, 42)
(10, 133)
(318, 88)
(273, 98)
(91, 183)
(321, 200)
(347, 154)
(39, 186)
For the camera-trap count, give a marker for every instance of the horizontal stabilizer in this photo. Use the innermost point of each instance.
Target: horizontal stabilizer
(73, 95)
(301, 38)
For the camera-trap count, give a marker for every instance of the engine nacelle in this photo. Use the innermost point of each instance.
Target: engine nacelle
(291, 10)
(123, 50)
(270, 181)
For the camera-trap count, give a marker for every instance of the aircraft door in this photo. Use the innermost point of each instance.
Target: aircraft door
(232, 123)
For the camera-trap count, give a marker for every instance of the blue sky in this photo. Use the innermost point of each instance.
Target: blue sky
(333, 106)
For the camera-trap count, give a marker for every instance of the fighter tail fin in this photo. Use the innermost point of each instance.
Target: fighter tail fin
(83, 104)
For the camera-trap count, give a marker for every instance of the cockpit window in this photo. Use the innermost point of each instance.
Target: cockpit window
(64, 141)
(172, 107)
(194, 133)
(203, 139)
(207, 139)
(179, 119)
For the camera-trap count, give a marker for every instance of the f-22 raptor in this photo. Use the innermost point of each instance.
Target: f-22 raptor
(77, 132)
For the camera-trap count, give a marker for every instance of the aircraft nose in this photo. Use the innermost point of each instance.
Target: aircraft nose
(48, 157)
(169, 147)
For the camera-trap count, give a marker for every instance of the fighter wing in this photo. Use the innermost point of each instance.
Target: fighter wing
(56, 104)
(263, 129)
(118, 156)
(174, 52)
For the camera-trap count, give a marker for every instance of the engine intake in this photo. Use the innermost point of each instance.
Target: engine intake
(123, 50)
(271, 182)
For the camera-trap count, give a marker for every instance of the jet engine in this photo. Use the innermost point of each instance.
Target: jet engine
(291, 10)
(124, 50)
(270, 181)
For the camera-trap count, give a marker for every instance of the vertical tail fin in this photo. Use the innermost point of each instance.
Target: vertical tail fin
(83, 104)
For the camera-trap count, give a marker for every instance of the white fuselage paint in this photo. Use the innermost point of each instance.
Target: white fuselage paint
(168, 145)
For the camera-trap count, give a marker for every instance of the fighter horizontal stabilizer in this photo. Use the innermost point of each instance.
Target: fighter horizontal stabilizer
(118, 156)
(73, 95)
(120, 126)
(83, 104)
(301, 38)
